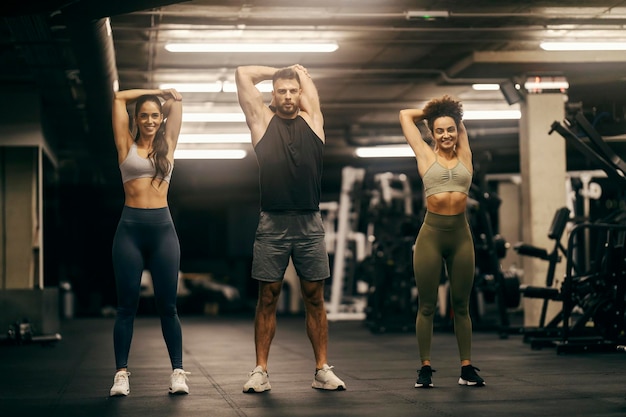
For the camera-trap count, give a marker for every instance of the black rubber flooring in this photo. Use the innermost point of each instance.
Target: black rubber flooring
(72, 377)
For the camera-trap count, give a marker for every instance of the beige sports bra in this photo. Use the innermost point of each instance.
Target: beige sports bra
(439, 179)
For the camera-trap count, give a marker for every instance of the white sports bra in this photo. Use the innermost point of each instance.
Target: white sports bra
(134, 166)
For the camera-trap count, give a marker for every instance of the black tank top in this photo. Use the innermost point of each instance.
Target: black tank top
(290, 165)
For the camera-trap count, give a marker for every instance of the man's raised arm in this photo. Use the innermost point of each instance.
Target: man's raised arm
(310, 100)
(251, 100)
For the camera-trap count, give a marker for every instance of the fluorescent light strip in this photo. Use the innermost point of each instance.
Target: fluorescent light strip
(546, 85)
(214, 117)
(240, 117)
(209, 154)
(214, 138)
(252, 47)
(263, 86)
(215, 87)
(492, 115)
(583, 46)
(426, 14)
(389, 151)
(486, 87)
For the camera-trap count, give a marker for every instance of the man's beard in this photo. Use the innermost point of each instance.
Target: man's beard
(288, 111)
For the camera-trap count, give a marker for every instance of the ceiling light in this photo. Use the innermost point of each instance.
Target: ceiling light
(214, 138)
(264, 86)
(492, 115)
(214, 117)
(385, 151)
(583, 46)
(486, 87)
(233, 47)
(210, 154)
(214, 87)
(426, 14)
(535, 83)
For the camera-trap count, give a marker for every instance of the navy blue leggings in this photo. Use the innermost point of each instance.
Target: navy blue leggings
(146, 239)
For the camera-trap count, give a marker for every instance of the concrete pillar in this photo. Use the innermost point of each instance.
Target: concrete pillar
(543, 171)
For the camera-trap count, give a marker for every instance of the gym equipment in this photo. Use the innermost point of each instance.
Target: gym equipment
(346, 247)
(598, 143)
(22, 332)
(490, 248)
(392, 301)
(392, 228)
(593, 293)
(612, 171)
(547, 293)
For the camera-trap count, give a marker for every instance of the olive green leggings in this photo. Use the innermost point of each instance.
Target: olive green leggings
(444, 238)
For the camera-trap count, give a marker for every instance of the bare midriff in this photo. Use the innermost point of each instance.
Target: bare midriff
(146, 193)
(447, 203)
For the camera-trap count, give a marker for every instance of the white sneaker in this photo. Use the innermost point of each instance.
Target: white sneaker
(178, 382)
(259, 381)
(120, 384)
(325, 378)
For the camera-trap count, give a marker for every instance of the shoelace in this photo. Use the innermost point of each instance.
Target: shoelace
(325, 370)
(120, 381)
(121, 378)
(471, 371)
(260, 372)
(426, 371)
(180, 377)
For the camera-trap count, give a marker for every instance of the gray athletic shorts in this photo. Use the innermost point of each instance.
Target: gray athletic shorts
(299, 235)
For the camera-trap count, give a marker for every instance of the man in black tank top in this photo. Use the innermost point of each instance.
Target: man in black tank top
(289, 143)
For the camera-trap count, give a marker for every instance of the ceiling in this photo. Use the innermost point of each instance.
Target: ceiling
(69, 54)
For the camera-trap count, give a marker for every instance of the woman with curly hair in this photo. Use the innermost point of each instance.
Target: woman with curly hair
(445, 236)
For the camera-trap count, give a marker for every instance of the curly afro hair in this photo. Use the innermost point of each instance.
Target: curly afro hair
(444, 106)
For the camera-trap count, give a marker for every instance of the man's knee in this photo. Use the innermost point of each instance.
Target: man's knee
(268, 294)
(313, 292)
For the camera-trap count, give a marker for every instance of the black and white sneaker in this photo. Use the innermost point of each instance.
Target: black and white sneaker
(469, 377)
(424, 377)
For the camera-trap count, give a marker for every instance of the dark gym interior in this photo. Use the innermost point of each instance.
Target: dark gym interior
(548, 305)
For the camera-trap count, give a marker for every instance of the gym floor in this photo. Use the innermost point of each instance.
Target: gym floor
(72, 377)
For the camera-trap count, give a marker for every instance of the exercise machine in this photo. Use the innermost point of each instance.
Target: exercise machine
(490, 248)
(594, 287)
(391, 228)
(548, 292)
(346, 247)
(594, 293)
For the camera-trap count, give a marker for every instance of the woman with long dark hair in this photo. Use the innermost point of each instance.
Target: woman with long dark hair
(145, 238)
